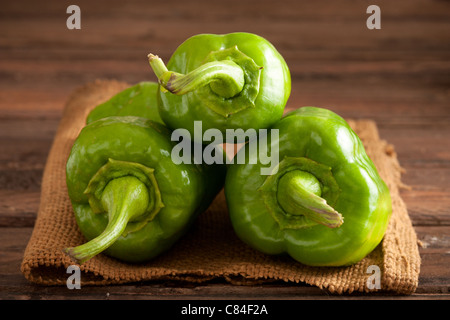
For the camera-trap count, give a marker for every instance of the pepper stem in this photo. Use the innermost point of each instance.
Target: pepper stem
(225, 77)
(299, 193)
(125, 199)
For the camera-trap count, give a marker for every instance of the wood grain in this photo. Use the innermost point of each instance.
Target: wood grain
(397, 76)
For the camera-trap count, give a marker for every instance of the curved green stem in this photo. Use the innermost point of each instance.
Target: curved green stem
(225, 77)
(125, 199)
(299, 193)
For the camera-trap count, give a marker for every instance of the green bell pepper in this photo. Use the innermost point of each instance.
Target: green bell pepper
(139, 100)
(234, 81)
(324, 203)
(131, 201)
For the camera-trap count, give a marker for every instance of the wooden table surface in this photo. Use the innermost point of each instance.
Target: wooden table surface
(398, 76)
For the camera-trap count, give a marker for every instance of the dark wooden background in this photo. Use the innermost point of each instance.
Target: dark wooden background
(399, 76)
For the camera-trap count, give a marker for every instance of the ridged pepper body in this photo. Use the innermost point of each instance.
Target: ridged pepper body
(325, 206)
(246, 86)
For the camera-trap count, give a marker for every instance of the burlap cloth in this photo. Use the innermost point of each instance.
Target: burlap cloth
(211, 250)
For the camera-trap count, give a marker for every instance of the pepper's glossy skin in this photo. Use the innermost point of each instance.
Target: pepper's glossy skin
(274, 86)
(362, 197)
(186, 189)
(139, 100)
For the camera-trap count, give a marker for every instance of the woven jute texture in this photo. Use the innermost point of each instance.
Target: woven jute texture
(210, 250)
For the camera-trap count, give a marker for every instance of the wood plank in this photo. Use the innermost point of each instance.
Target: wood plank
(20, 180)
(19, 209)
(435, 255)
(434, 277)
(31, 129)
(287, 17)
(24, 153)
